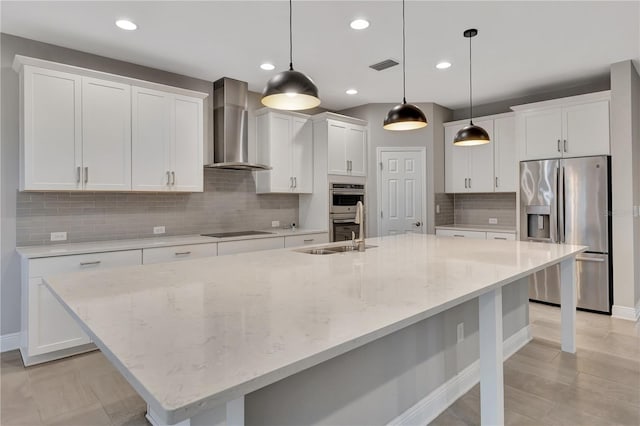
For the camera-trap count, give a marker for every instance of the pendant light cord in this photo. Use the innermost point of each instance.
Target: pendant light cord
(404, 54)
(290, 37)
(470, 86)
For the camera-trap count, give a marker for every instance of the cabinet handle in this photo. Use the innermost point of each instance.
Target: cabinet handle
(173, 178)
(496, 181)
(291, 182)
(95, 262)
(168, 177)
(465, 182)
(469, 183)
(86, 174)
(295, 181)
(565, 146)
(559, 146)
(78, 174)
(182, 253)
(347, 165)
(457, 235)
(499, 238)
(309, 240)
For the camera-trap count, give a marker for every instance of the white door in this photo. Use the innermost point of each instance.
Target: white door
(586, 129)
(401, 182)
(106, 135)
(356, 150)
(187, 171)
(302, 155)
(150, 140)
(504, 148)
(481, 162)
(52, 130)
(336, 138)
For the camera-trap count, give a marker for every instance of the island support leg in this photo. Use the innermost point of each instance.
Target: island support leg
(568, 296)
(491, 359)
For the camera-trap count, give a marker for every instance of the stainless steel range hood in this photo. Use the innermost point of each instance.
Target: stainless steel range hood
(230, 119)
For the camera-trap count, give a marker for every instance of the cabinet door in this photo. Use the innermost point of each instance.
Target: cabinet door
(302, 155)
(280, 153)
(456, 169)
(586, 129)
(187, 169)
(481, 162)
(356, 150)
(150, 140)
(542, 132)
(243, 246)
(106, 135)
(291, 241)
(504, 149)
(178, 253)
(461, 233)
(336, 139)
(52, 136)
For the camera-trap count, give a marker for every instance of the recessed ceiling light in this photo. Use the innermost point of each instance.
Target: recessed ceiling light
(359, 24)
(443, 65)
(267, 66)
(351, 92)
(126, 24)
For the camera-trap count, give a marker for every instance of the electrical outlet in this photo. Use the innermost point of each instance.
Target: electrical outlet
(437, 208)
(58, 236)
(493, 221)
(275, 223)
(460, 332)
(158, 230)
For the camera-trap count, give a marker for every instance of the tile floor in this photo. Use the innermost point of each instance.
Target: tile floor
(543, 386)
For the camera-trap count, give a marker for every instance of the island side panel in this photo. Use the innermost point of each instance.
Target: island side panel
(378, 382)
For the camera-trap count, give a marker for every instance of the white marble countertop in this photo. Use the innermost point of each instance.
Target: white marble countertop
(32, 252)
(194, 334)
(481, 228)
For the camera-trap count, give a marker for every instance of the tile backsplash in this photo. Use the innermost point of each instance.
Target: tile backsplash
(476, 209)
(228, 203)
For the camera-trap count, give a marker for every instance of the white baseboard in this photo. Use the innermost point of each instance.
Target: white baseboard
(624, 312)
(9, 342)
(430, 407)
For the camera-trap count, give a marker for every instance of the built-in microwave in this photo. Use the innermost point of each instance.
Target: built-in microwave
(344, 197)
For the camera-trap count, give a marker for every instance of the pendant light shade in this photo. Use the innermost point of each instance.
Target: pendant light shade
(471, 135)
(290, 90)
(404, 116)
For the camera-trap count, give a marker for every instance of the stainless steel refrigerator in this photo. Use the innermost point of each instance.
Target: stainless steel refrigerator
(569, 201)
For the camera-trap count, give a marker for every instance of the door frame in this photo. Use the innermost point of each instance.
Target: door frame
(419, 149)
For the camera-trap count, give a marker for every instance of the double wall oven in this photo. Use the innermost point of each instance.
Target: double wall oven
(343, 198)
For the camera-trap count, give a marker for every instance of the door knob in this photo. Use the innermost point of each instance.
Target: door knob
(418, 224)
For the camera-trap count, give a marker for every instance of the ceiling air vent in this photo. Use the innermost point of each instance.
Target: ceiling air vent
(387, 63)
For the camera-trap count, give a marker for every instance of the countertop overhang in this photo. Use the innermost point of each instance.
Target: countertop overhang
(194, 334)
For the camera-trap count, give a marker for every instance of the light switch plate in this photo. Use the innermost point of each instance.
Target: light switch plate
(58, 236)
(437, 208)
(158, 230)
(493, 221)
(275, 223)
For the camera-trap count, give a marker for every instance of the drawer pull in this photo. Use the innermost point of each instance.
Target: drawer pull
(182, 253)
(458, 235)
(309, 240)
(499, 238)
(590, 259)
(95, 262)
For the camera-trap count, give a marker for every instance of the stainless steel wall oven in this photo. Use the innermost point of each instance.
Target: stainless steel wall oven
(343, 198)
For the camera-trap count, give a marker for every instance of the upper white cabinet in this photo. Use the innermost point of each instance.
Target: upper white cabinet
(469, 168)
(505, 158)
(166, 141)
(567, 127)
(285, 142)
(87, 130)
(347, 148)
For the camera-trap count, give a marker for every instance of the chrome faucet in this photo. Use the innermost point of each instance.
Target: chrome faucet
(359, 243)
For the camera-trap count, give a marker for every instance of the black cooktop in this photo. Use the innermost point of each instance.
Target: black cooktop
(236, 234)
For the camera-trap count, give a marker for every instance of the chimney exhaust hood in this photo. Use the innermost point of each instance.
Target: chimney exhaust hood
(230, 119)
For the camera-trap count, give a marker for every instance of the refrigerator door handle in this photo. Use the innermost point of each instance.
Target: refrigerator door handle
(590, 259)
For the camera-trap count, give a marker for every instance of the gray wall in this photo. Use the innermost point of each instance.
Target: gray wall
(431, 137)
(375, 383)
(95, 216)
(476, 209)
(625, 171)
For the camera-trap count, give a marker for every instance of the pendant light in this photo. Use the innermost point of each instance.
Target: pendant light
(471, 135)
(290, 90)
(404, 116)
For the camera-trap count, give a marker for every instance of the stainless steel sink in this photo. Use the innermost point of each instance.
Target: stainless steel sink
(317, 251)
(341, 249)
(331, 250)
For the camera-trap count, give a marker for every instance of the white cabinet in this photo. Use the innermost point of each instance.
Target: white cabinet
(177, 253)
(460, 233)
(167, 152)
(501, 236)
(48, 331)
(243, 246)
(505, 154)
(568, 127)
(76, 131)
(285, 142)
(291, 241)
(469, 168)
(347, 148)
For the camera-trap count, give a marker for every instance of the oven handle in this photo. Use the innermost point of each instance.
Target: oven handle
(344, 220)
(347, 192)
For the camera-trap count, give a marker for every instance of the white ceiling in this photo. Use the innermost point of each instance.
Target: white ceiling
(522, 47)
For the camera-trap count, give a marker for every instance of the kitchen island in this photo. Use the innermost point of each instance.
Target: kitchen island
(194, 337)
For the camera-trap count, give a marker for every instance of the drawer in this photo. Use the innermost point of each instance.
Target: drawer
(461, 234)
(83, 262)
(175, 253)
(301, 240)
(501, 236)
(242, 246)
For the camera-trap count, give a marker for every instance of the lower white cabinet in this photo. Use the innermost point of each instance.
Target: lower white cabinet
(243, 246)
(48, 331)
(461, 233)
(176, 253)
(501, 236)
(291, 241)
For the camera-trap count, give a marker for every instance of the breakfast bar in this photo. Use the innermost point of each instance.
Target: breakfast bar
(194, 337)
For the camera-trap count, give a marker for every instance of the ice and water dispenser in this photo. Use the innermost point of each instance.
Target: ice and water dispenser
(538, 222)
